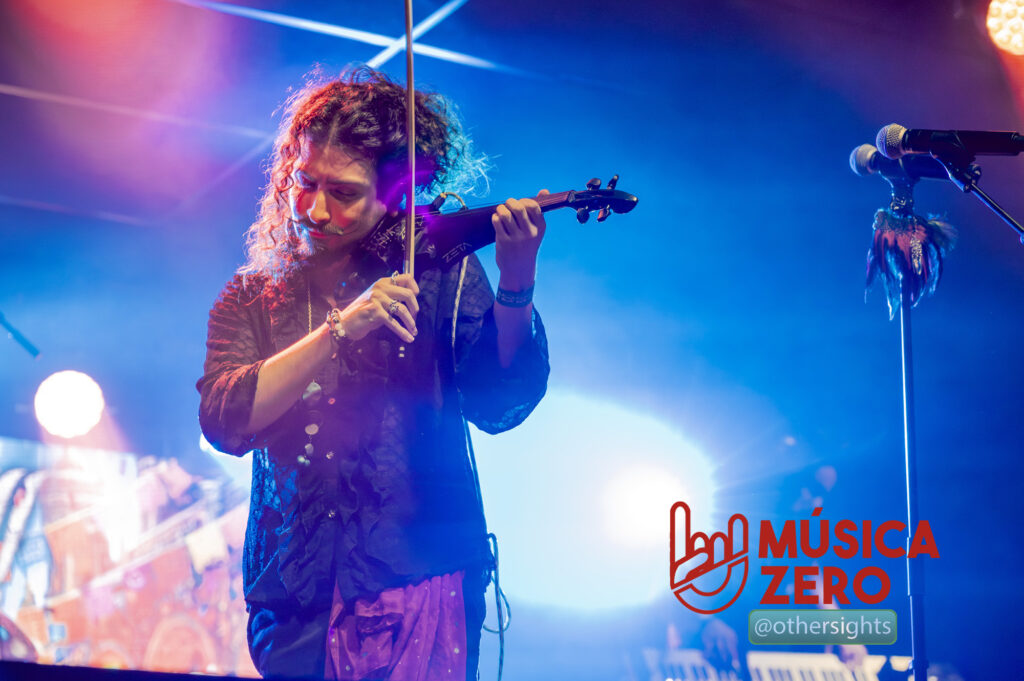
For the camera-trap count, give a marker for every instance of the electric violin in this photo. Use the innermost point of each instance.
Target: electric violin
(442, 239)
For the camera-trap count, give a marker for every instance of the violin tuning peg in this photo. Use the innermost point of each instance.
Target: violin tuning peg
(582, 214)
(612, 182)
(594, 183)
(603, 214)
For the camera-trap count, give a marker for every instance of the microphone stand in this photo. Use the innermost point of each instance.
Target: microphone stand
(915, 568)
(18, 338)
(902, 203)
(957, 162)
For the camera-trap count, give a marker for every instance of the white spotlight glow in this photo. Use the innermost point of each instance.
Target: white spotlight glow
(68, 404)
(1006, 25)
(635, 496)
(579, 496)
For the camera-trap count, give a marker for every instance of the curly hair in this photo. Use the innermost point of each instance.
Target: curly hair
(363, 111)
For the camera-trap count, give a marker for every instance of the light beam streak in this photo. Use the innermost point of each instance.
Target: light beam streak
(67, 210)
(350, 34)
(65, 100)
(223, 175)
(399, 43)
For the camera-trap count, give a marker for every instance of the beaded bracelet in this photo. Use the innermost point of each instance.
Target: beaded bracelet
(514, 298)
(336, 327)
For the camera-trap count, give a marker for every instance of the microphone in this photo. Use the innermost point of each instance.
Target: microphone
(894, 141)
(867, 160)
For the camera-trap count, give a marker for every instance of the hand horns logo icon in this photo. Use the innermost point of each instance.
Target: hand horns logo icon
(707, 574)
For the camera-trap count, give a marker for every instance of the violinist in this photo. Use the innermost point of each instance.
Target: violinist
(366, 554)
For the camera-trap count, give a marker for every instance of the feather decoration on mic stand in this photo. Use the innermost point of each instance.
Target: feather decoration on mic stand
(907, 250)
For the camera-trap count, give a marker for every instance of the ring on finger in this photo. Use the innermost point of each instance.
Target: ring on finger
(393, 307)
(394, 279)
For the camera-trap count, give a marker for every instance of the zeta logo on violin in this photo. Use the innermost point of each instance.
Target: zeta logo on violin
(707, 573)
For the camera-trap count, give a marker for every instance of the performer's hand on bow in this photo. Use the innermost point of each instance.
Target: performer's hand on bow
(518, 230)
(390, 302)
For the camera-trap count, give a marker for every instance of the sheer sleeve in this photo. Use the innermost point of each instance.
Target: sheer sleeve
(228, 386)
(494, 398)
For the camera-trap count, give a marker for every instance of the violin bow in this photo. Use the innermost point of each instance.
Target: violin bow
(410, 128)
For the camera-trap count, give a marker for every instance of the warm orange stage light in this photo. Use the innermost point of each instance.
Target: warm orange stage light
(1005, 24)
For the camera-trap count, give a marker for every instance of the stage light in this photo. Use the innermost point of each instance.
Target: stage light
(68, 404)
(1006, 25)
(632, 498)
(579, 496)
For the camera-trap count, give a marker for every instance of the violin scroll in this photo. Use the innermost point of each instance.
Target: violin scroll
(605, 201)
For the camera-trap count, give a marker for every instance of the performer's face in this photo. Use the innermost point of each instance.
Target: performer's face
(334, 194)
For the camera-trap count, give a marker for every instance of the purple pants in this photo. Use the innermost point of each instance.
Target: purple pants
(411, 633)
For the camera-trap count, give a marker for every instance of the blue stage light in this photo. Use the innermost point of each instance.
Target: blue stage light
(579, 496)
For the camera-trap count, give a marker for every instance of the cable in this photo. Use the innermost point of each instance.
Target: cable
(500, 599)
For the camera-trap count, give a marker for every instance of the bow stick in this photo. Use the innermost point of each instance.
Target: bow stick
(410, 128)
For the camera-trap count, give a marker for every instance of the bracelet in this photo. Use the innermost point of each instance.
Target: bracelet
(335, 326)
(514, 298)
